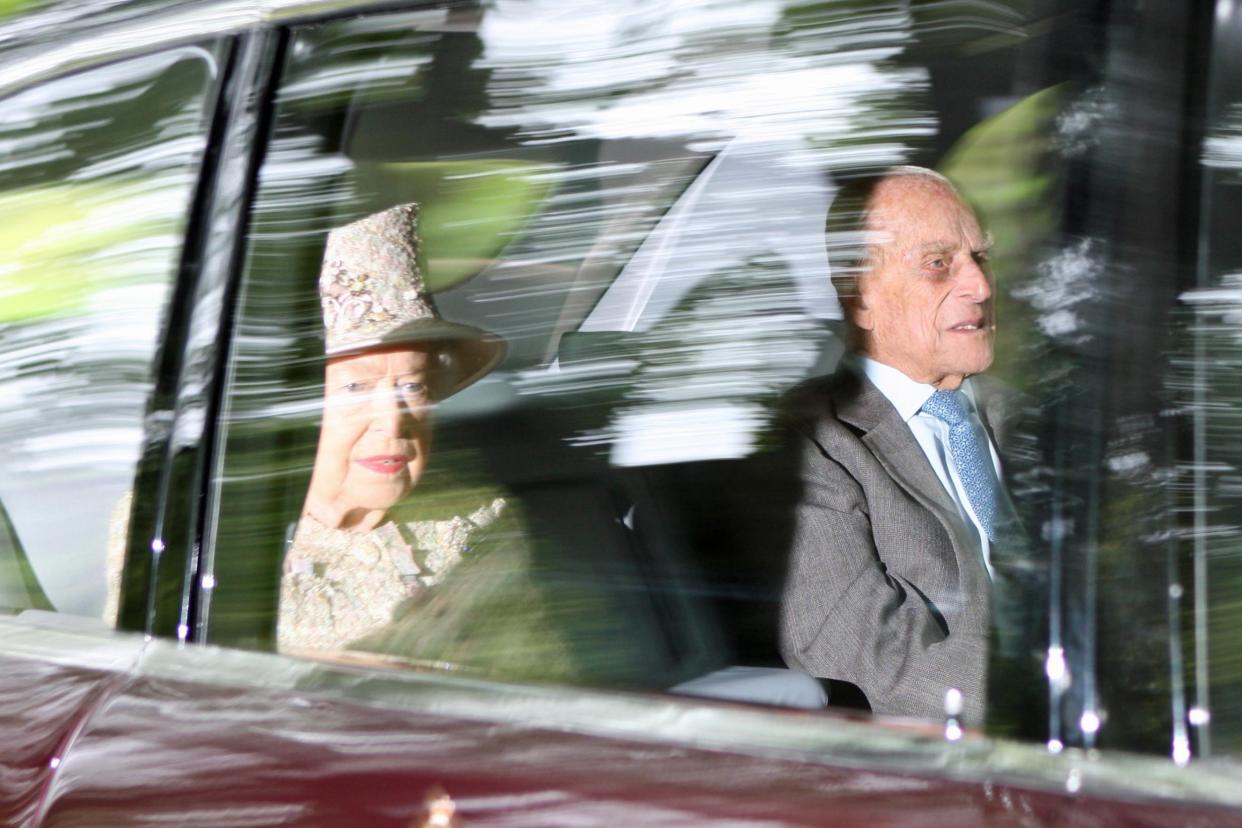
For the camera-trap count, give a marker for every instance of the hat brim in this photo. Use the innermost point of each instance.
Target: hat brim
(464, 354)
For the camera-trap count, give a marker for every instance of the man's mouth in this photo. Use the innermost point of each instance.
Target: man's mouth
(385, 463)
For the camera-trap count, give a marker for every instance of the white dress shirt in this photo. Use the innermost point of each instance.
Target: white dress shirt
(932, 434)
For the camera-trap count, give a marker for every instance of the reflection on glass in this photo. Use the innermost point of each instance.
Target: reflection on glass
(1209, 364)
(633, 199)
(97, 171)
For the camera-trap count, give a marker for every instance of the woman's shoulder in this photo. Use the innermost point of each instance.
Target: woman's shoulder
(442, 540)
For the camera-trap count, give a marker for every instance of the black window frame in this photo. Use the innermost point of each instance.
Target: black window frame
(161, 588)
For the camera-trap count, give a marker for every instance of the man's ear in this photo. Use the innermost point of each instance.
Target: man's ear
(857, 309)
(862, 317)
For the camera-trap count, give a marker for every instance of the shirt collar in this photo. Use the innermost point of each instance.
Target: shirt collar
(906, 395)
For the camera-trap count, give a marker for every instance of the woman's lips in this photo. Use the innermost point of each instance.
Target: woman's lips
(385, 463)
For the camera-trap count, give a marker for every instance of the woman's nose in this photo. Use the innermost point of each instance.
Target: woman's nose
(389, 412)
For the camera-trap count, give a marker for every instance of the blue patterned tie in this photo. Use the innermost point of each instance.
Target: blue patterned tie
(970, 455)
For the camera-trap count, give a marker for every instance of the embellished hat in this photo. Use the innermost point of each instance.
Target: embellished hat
(374, 296)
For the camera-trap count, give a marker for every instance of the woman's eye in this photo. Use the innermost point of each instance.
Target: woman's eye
(414, 389)
(354, 387)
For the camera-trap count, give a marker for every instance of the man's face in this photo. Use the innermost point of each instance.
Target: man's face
(925, 306)
(376, 429)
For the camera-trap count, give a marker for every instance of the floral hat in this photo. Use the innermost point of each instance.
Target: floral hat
(374, 296)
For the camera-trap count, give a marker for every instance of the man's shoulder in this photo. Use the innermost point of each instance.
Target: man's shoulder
(821, 394)
(828, 399)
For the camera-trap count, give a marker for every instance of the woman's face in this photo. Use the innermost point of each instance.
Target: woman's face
(376, 431)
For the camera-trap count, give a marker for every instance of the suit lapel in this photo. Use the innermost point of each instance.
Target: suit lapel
(893, 444)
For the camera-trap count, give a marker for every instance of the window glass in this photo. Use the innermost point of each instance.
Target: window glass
(97, 173)
(554, 227)
(1209, 389)
(632, 202)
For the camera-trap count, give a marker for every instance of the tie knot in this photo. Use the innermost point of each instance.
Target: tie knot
(947, 406)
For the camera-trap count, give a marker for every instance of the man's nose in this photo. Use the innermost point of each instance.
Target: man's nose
(973, 281)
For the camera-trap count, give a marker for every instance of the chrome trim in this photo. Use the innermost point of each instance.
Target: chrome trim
(889, 746)
(892, 746)
(821, 738)
(68, 640)
(172, 28)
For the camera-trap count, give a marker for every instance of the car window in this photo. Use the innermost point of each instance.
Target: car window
(1208, 716)
(555, 244)
(632, 204)
(478, 195)
(98, 170)
(655, 274)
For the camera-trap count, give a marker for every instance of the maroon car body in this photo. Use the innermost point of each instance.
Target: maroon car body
(118, 731)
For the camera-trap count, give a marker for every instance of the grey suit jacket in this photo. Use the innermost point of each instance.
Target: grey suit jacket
(886, 588)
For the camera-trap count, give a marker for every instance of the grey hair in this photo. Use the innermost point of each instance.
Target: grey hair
(850, 246)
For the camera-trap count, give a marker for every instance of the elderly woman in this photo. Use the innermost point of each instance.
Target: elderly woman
(359, 573)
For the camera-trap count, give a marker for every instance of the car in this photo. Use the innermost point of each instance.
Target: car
(631, 196)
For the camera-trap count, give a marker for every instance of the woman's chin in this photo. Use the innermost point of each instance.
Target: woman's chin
(384, 499)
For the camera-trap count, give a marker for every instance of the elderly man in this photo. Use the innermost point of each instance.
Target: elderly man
(889, 584)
